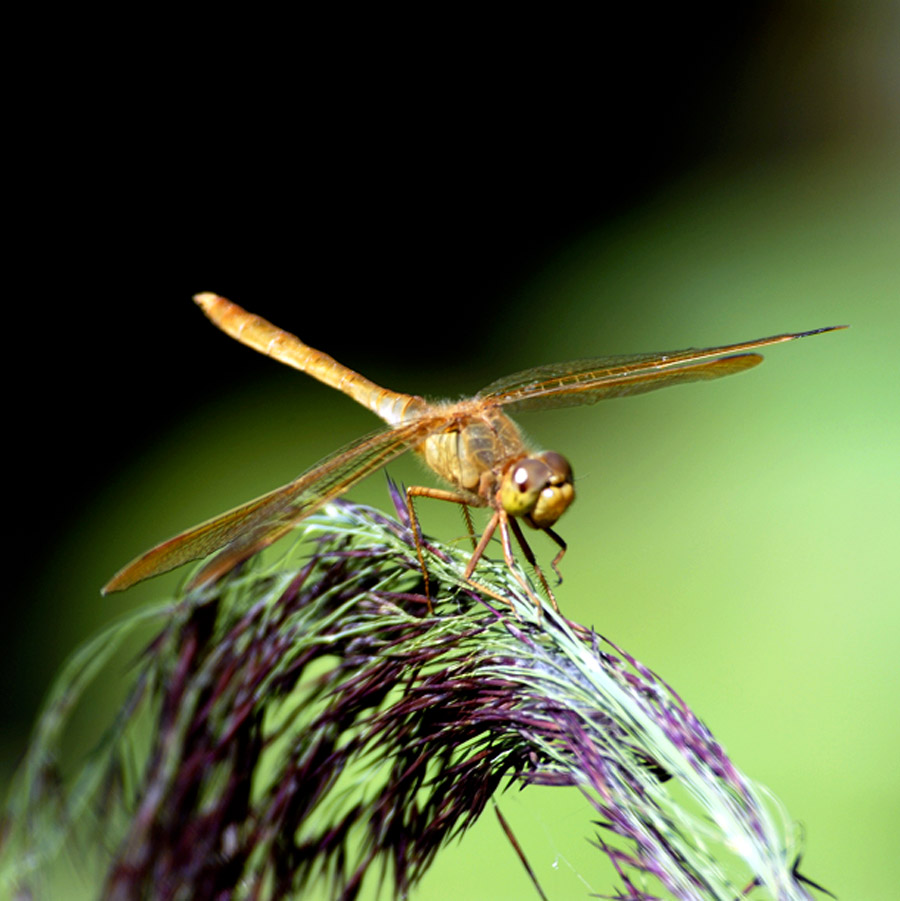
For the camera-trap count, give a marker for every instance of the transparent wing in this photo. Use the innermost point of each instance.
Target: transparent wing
(587, 381)
(256, 524)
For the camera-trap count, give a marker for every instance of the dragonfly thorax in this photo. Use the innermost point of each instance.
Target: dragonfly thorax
(539, 489)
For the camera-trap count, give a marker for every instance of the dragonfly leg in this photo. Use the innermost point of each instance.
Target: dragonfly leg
(498, 519)
(532, 561)
(443, 495)
(479, 548)
(563, 547)
(439, 494)
(470, 527)
(505, 521)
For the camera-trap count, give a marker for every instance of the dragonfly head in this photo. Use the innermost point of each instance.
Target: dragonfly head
(539, 489)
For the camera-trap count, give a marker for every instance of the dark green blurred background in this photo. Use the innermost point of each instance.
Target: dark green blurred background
(437, 212)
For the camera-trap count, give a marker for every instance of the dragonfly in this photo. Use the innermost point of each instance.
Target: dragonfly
(472, 445)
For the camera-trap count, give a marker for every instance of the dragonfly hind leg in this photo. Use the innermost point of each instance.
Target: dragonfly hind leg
(439, 494)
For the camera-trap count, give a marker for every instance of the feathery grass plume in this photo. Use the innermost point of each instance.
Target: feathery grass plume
(313, 724)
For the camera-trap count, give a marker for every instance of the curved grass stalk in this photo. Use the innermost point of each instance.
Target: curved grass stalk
(311, 723)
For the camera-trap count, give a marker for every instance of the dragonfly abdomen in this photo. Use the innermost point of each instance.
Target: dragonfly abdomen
(258, 333)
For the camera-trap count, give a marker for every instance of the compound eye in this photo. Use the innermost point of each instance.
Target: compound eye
(560, 469)
(530, 475)
(522, 485)
(558, 492)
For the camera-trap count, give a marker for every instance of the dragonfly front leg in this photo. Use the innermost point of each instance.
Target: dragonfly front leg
(532, 560)
(505, 521)
(563, 547)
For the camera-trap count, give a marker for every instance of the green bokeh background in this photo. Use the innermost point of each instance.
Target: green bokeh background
(742, 538)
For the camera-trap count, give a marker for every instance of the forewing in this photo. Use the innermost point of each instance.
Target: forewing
(587, 381)
(257, 523)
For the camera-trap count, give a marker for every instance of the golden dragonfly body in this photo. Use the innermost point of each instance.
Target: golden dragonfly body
(473, 445)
